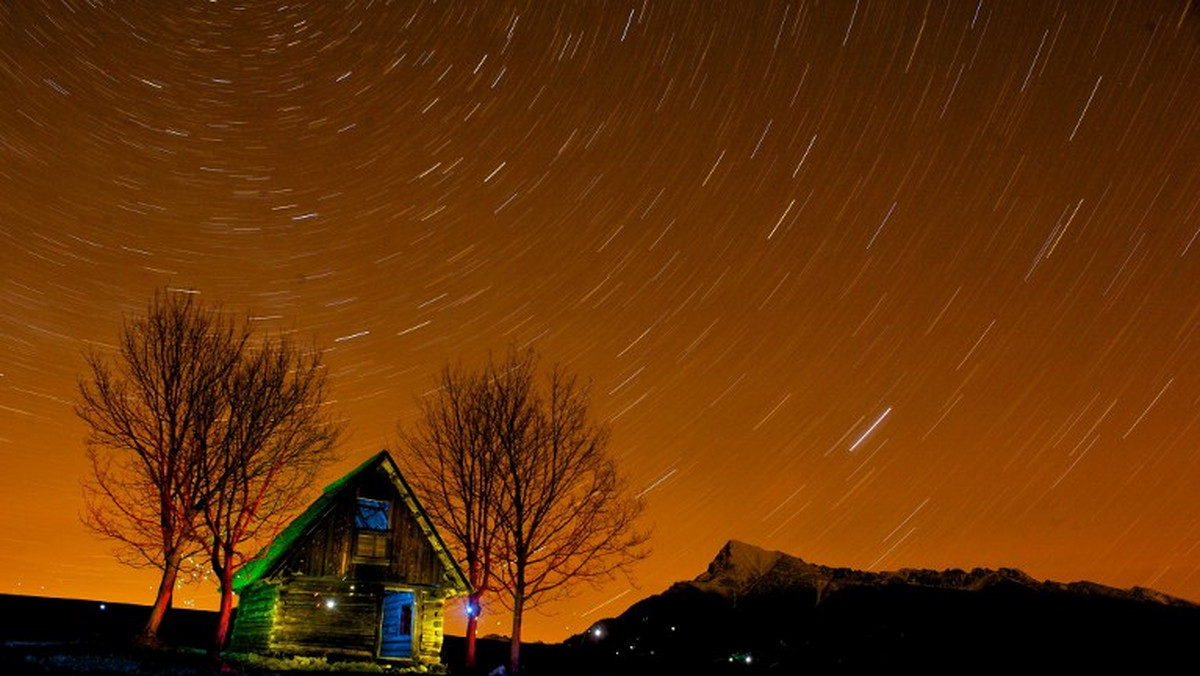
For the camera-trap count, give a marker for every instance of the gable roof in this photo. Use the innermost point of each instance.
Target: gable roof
(267, 559)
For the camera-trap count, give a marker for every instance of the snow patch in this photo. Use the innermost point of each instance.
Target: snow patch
(737, 567)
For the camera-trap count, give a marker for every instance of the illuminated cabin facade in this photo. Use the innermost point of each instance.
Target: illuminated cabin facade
(362, 573)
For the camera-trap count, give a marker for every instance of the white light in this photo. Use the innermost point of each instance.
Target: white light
(330, 604)
(870, 429)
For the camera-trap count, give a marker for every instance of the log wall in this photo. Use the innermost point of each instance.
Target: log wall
(255, 619)
(325, 617)
(429, 624)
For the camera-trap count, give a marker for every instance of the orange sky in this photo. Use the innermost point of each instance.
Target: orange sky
(874, 284)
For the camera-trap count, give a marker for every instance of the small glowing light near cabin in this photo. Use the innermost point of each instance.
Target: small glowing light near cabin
(330, 604)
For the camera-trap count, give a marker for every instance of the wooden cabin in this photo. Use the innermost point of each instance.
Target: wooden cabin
(362, 573)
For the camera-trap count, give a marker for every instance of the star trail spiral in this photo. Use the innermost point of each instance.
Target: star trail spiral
(878, 284)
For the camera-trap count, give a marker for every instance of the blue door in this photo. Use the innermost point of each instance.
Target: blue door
(395, 636)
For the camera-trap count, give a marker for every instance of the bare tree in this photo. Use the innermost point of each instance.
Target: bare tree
(452, 461)
(273, 441)
(567, 516)
(519, 477)
(148, 416)
(199, 442)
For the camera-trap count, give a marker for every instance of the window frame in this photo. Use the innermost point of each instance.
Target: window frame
(372, 544)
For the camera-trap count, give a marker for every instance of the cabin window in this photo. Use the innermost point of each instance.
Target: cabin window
(373, 529)
(372, 514)
(406, 619)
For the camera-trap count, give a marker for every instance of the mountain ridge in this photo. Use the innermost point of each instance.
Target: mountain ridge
(739, 563)
(759, 611)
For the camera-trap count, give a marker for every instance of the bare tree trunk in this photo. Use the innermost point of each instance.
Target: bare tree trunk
(166, 587)
(514, 653)
(225, 611)
(472, 623)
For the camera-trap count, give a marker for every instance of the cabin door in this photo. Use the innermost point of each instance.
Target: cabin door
(396, 630)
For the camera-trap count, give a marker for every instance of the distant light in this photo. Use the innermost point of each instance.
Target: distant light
(748, 659)
(103, 607)
(597, 632)
(330, 604)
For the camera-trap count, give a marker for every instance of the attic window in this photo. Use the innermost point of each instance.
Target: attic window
(371, 515)
(372, 527)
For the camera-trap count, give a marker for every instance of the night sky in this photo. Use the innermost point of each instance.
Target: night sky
(878, 284)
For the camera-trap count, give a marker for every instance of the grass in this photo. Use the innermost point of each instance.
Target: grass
(60, 659)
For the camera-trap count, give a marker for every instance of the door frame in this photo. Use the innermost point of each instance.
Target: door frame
(413, 624)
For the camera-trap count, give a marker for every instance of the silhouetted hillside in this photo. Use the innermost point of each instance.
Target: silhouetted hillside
(41, 619)
(755, 611)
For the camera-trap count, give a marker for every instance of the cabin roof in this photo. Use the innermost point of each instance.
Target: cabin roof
(265, 562)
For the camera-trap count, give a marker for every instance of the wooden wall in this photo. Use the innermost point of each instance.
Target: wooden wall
(328, 549)
(306, 623)
(429, 624)
(255, 619)
(296, 618)
(325, 550)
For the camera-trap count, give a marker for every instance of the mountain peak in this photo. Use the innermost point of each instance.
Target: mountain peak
(742, 557)
(740, 567)
(736, 566)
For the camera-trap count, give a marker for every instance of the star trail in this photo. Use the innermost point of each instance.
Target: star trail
(876, 284)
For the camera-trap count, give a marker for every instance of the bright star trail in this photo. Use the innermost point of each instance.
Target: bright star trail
(870, 429)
